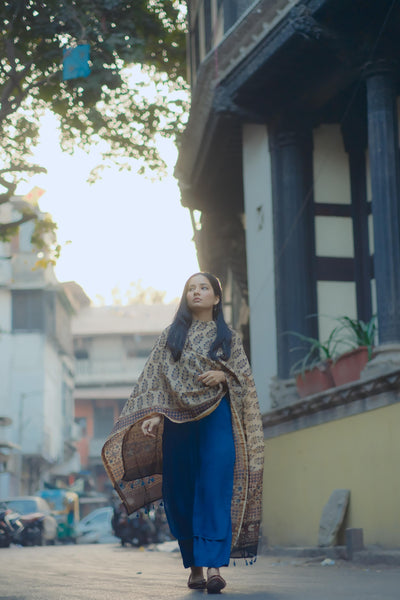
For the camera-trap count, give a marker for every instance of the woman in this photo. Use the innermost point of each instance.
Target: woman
(191, 433)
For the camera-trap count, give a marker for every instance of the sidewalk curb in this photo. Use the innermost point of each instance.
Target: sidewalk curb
(369, 556)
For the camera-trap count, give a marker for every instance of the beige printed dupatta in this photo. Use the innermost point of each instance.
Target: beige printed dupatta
(172, 389)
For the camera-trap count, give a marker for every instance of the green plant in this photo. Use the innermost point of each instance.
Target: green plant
(317, 352)
(361, 333)
(351, 332)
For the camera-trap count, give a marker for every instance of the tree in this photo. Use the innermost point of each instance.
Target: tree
(137, 294)
(109, 106)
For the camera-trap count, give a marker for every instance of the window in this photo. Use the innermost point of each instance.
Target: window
(103, 421)
(233, 9)
(28, 310)
(207, 25)
(139, 346)
(230, 14)
(196, 49)
(82, 424)
(81, 354)
(81, 348)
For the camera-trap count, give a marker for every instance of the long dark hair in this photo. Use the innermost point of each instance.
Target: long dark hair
(183, 319)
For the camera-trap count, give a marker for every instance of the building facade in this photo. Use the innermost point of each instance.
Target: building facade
(290, 167)
(36, 369)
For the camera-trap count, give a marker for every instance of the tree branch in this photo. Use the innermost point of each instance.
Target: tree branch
(10, 187)
(22, 168)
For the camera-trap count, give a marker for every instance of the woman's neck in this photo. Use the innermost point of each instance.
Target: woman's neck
(197, 320)
(202, 316)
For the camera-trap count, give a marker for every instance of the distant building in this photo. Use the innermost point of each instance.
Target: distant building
(111, 346)
(36, 367)
(6, 448)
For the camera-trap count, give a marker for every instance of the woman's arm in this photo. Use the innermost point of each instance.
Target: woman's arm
(149, 426)
(212, 378)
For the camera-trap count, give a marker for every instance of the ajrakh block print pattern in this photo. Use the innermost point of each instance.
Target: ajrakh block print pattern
(172, 389)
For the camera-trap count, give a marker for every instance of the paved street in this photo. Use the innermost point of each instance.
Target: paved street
(107, 572)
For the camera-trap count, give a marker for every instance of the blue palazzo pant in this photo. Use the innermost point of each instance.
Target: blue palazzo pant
(198, 461)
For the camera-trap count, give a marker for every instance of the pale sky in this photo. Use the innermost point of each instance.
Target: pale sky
(122, 229)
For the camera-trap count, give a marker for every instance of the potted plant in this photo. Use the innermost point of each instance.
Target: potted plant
(313, 371)
(360, 336)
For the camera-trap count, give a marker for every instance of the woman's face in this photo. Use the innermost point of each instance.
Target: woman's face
(201, 298)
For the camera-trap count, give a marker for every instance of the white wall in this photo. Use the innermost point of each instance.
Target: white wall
(53, 426)
(26, 401)
(35, 402)
(333, 235)
(260, 257)
(335, 299)
(5, 369)
(331, 166)
(5, 265)
(5, 355)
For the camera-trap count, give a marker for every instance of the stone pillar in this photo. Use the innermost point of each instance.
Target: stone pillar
(383, 146)
(294, 243)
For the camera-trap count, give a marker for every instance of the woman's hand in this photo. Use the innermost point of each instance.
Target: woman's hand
(212, 378)
(149, 426)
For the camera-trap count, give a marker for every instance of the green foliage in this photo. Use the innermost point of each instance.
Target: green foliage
(315, 352)
(44, 239)
(111, 105)
(358, 333)
(137, 294)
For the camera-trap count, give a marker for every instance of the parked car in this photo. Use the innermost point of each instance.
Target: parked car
(96, 527)
(36, 517)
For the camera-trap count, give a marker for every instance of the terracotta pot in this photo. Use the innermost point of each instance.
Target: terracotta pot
(348, 366)
(316, 380)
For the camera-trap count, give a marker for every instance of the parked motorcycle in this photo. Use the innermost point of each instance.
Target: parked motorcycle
(10, 526)
(136, 530)
(32, 533)
(39, 526)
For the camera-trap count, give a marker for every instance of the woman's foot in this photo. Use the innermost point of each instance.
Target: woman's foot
(196, 579)
(215, 583)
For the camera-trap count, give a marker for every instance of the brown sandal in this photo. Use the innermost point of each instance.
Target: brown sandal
(215, 584)
(199, 584)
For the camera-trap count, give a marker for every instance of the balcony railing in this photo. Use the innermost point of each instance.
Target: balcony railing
(108, 371)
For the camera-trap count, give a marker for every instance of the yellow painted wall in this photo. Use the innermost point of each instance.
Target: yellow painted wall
(360, 453)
